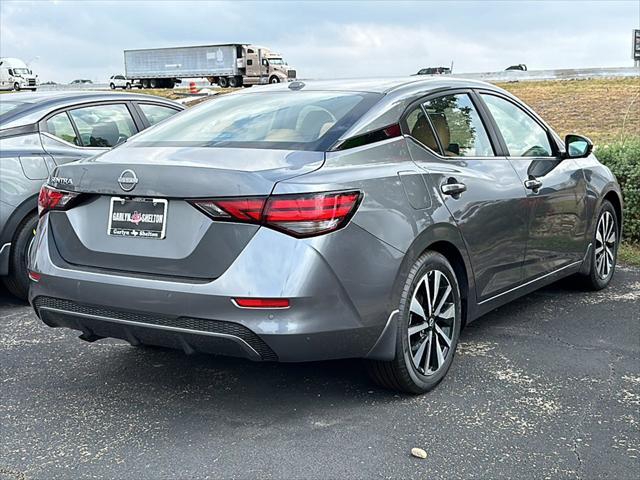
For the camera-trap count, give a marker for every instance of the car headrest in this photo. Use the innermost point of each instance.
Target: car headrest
(422, 132)
(104, 134)
(313, 123)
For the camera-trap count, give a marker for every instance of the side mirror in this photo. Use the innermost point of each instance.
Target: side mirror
(577, 146)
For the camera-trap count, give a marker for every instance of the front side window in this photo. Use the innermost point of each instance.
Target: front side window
(156, 113)
(103, 125)
(523, 135)
(60, 126)
(459, 126)
(289, 120)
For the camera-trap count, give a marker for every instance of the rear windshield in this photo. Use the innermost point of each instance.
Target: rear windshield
(293, 120)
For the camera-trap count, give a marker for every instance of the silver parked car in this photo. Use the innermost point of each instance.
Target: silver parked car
(324, 220)
(39, 131)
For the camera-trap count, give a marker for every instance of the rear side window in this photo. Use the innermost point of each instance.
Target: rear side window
(156, 113)
(103, 125)
(459, 126)
(523, 135)
(287, 120)
(420, 129)
(60, 126)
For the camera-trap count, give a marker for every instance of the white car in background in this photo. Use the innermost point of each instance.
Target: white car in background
(120, 81)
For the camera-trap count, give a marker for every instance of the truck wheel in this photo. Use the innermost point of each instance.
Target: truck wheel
(153, 83)
(223, 82)
(274, 79)
(16, 87)
(235, 82)
(112, 86)
(18, 280)
(145, 83)
(127, 86)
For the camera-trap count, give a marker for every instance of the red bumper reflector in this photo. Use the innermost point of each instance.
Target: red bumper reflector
(262, 302)
(35, 276)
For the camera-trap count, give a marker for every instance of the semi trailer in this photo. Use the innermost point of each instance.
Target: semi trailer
(228, 65)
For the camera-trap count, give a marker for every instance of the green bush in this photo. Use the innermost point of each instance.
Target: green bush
(623, 158)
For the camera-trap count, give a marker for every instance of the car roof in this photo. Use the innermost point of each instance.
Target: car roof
(37, 104)
(386, 85)
(396, 95)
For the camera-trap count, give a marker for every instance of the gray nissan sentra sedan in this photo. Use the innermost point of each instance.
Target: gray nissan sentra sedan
(324, 220)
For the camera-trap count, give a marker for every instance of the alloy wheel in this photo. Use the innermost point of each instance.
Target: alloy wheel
(431, 322)
(605, 244)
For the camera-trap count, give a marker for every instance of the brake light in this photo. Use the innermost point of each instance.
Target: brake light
(237, 209)
(300, 215)
(307, 215)
(52, 199)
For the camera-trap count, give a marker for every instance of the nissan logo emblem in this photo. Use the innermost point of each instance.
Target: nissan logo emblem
(128, 180)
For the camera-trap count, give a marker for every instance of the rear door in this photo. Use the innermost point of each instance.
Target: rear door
(85, 131)
(555, 187)
(483, 192)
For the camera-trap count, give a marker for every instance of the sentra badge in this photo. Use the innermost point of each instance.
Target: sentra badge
(62, 180)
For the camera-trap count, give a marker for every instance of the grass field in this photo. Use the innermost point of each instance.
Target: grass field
(605, 110)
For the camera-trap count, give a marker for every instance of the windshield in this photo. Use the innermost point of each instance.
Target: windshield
(287, 120)
(276, 61)
(6, 106)
(22, 71)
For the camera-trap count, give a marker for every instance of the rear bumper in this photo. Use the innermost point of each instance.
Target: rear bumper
(326, 320)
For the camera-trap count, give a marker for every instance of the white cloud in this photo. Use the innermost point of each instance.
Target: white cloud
(324, 40)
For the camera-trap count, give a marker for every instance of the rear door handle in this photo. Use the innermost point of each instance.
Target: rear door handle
(453, 189)
(533, 184)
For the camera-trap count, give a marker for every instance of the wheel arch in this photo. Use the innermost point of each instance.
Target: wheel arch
(442, 238)
(614, 198)
(22, 211)
(445, 239)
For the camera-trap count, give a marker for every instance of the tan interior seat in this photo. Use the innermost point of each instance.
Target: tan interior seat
(283, 135)
(422, 132)
(444, 134)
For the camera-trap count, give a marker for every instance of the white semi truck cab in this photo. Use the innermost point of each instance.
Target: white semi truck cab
(16, 75)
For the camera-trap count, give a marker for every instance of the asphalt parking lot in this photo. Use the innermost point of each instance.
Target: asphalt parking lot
(548, 386)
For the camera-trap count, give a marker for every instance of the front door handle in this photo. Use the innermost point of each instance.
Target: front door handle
(533, 184)
(453, 188)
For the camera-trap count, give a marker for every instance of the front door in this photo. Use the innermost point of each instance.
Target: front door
(488, 203)
(555, 188)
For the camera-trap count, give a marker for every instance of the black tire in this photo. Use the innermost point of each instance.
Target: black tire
(127, 86)
(153, 83)
(17, 282)
(16, 87)
(595, 279)
(145, 83)
(274, 79)
(233, 82)
(112, 86)
(401, 373)
(223, 82)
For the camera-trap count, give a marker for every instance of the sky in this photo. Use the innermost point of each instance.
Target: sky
(65, 40)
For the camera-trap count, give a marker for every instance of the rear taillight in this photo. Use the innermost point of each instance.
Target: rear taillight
(300, 215)
(52, 199)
